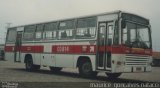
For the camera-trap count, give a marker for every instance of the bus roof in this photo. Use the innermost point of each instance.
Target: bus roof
(106, 13)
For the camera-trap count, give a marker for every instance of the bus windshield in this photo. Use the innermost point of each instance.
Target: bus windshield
(136, 35)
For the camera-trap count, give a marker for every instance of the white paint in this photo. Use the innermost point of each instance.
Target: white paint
(20, 28)
(9, 56)
(18, 56)
(37, 57)
(91, 49)
(48, 60)
(108, 17)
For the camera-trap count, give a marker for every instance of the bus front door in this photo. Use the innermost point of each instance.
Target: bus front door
(18, 46)
(103, 44)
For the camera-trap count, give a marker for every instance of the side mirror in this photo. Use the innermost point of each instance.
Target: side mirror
(123, 24)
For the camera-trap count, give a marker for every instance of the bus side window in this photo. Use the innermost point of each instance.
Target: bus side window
(66, 29)
(50, 31)
(39, 31)
(29, 32)
(86, 28)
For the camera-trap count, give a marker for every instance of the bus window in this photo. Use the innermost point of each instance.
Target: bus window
(11, 36)
(125, 33)
(86, 28)
(66, 29)
(29, 32)
(50, 30)
(65, 34)
(39, 31)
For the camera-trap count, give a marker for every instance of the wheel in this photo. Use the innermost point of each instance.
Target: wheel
(55, 69)
(113, 75)
(30, 66)
(85, 70)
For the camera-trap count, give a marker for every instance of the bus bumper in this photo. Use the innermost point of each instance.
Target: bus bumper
(129, 69)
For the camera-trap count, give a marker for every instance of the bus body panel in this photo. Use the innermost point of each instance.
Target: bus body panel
(66, 53)
(109, 17)
(10, 55)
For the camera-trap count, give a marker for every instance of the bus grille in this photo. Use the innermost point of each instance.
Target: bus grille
(136, 60)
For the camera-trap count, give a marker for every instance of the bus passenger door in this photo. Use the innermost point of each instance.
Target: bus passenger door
(103, 45)
(18, 46)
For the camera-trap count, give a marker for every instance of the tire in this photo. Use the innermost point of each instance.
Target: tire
(30, 66)
(113, 75)
(85, 70)
(55, 69)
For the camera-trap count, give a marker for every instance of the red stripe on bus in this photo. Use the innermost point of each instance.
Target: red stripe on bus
(91, 49)
(74, 49)
(32, 49)
(87, 49)
(112, 49)
(9, 49)
(81, 49)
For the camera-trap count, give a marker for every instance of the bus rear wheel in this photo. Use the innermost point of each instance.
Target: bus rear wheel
(113, 75)
(55, 69)
(30, 66)
(85, 70)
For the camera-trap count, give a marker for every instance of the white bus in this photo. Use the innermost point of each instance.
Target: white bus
(115, 43)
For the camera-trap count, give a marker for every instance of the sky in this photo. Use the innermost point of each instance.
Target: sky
(21, 12)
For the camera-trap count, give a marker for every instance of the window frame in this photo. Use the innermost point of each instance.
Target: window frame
(29, 33)
(86, 27)
(135, 23)
(39, 31)
(69, 29)
(46, 31)
(8, 32)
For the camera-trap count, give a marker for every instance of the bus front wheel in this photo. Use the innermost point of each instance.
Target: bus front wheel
(85, 70)
(113, 75)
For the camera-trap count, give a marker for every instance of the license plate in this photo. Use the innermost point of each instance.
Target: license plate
(138, 69)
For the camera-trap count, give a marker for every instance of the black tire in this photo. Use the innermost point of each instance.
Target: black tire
(113, 75)
(55, 69)
(85, 70)
(30, 66)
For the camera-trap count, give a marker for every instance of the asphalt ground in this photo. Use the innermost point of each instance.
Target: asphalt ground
(16, 73)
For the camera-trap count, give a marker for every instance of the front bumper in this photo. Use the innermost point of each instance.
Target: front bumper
(133, 69)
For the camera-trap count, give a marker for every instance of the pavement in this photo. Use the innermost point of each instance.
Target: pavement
(15, 72)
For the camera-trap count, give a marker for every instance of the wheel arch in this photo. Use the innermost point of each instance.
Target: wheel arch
(82, 59)
(27, 56)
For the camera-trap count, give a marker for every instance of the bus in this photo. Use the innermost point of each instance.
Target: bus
(114, 42)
